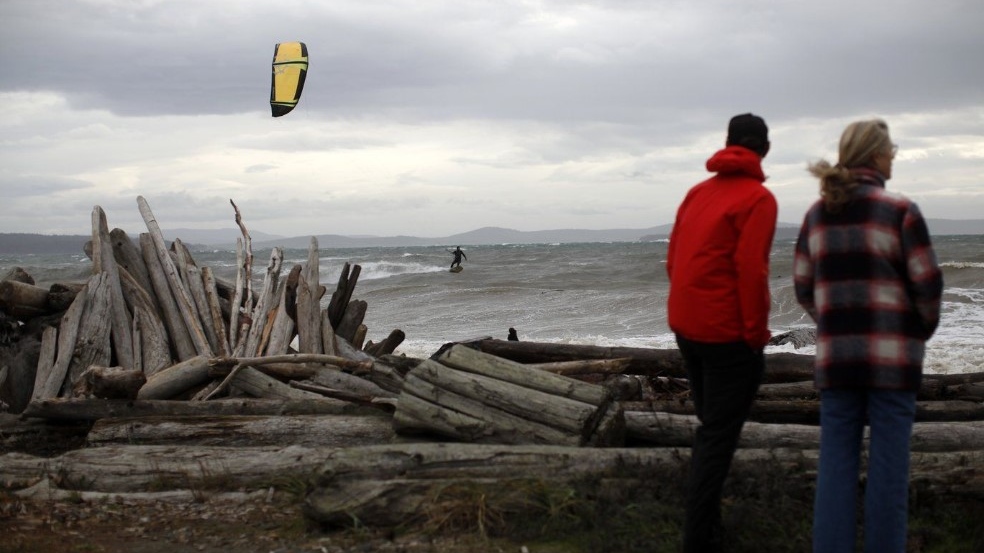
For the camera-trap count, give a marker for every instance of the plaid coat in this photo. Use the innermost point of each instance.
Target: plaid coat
(869, 278)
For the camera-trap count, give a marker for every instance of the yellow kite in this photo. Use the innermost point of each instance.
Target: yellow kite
(290, 63)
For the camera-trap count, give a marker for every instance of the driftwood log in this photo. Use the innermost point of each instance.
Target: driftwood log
(808, 411)
(476, 397)
(246, 431)
(667, 430)
(398, 484)
(780, 367)
(79, 409)
(109, 383)
(22, 300)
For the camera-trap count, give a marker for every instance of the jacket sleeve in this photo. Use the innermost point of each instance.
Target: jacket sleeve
(803, 270)
(925, 279)
(752, 263)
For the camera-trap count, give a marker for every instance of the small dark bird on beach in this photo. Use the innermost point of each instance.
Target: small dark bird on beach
(512, 335)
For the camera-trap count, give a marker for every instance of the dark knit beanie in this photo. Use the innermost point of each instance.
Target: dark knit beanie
(749, 131)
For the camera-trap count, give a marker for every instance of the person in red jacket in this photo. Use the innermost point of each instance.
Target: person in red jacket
(718, 265)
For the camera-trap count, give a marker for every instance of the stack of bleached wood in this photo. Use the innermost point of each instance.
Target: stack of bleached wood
(150, 324)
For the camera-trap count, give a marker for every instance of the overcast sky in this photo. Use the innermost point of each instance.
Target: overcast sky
(431, 118)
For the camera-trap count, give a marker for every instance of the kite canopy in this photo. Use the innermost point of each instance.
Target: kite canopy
(290, 63)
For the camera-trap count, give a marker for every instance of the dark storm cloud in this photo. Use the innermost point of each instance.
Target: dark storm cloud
(487, 59)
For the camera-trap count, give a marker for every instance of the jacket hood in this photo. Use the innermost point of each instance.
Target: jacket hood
(736, 160)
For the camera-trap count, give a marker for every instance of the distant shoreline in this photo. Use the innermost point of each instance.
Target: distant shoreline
(26, 243)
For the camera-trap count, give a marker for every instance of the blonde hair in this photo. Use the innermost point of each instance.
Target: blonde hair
(860, 142)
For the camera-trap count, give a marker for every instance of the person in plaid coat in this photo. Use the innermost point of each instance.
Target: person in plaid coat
(866, 272)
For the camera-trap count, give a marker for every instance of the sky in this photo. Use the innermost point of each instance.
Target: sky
(430, 118)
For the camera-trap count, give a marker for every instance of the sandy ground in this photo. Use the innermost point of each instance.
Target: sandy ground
(205, 526)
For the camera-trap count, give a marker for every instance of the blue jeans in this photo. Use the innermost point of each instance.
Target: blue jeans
(843, 414)
(723, 381)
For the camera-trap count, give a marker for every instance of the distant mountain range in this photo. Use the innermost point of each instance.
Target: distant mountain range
(226, 238)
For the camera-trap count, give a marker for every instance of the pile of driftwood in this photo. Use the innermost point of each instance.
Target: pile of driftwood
(151, 324)
(180, 382)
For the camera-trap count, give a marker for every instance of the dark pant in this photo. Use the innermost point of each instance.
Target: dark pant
(723, 381)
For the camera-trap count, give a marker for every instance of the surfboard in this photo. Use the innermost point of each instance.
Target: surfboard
(457, 269)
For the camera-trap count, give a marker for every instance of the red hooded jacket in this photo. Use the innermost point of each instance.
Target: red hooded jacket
(718, 259)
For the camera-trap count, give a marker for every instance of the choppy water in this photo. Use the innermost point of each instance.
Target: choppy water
(610, 294)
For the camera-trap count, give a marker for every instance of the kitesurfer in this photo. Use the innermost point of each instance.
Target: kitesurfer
(458, 254)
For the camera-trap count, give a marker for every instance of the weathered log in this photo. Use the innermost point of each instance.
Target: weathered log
(282, 329)
(348, 351)
(808, 411)
(328, 337)
(153, 343)
(133, 468)
(388, 345)
(236, 307)
(340, 298)
(334, 378)
(788, 390)
(93, 344)
(282, 371)
(109, 383)
(23, 301)
(395, 484)
(78, 409)
(176, 379)
(584, 366)
(182, 296)
(246, 431)
(949, 411)
(957, 379)
(780, 367)
(40, 437)
(18, 372)
(424, 408)
(265, 303)
(215, 308)
(473, 361)
(355, 365)
(387, 376)
(129, 257)
(181, 343)
(930, 390)
(571, 415)
(309, 293)
(536, 410)
(238, 364)
(137, 347)
(257, 384)
(967, 392)
(383, 403)
(121, 323)
(68, 332)
(191, 278)
(667, 430)
(46, 361)
(355, 312)
(62, 294)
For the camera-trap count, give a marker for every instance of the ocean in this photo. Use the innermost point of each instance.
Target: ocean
(607, 294)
